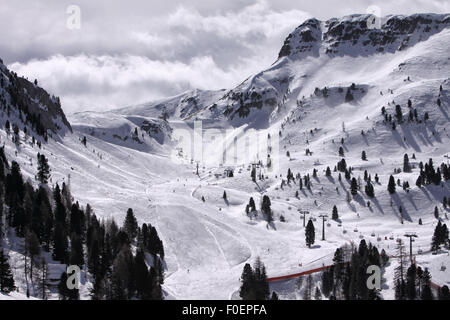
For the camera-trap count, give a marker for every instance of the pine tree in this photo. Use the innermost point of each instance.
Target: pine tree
(307, 293)
(335, 215)
(261, 286)
(354, 187)
(411, 282)
(274, 296)
(76, 250)
(318, 294)
(140, 270)
(436, 212)
(130, 225)
(62, 287)
(444, 293)
(399, 274)
(60, 243)
(327, 281)
(265, 208)
(363, 156)
(123, 281)
(253, 174)
(438, 237)
(399, 287)
(43, 169)
(426, 286)
(43, 277)
(384, 258)
(406, 166)
(398, 113)
(32, 248)
(391, 185)
(6, 277)
(370, 190)
(247, 279)
(310, 234)
(155, 284)
(252, 204)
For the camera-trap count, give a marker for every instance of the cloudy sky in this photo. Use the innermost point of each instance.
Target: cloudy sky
(134, 51)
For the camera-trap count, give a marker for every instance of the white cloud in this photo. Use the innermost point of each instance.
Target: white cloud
(104, 82)
(185, 49)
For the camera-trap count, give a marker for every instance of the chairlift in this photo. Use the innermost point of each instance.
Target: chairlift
(373, 234)
(355, 230)
(344, 231)
(443, 267)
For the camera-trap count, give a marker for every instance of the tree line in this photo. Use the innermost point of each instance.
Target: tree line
(49, 220)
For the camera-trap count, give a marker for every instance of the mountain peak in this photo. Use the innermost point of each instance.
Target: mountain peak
(350, 35)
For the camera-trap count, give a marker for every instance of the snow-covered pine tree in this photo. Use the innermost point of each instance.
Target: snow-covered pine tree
(399, 273)
(6, 277)
(310, 234)
(391, 185)
(130, 225)
(43, 174)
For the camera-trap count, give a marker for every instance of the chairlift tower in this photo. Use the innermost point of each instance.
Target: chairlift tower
(257, 167)
(323, 216)
(411, 236)
(304, 213)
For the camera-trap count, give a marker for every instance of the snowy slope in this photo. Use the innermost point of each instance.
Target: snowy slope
(179, 107)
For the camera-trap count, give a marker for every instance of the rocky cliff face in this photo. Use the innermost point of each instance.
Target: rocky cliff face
(351, 35)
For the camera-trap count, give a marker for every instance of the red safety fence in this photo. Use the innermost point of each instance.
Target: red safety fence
(296, 275)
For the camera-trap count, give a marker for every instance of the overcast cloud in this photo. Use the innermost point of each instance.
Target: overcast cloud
(129, 52)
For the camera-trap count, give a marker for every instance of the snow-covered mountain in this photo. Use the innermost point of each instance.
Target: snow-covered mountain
(181, 106)
(335, 85)
(325, 49)
(31, 104)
